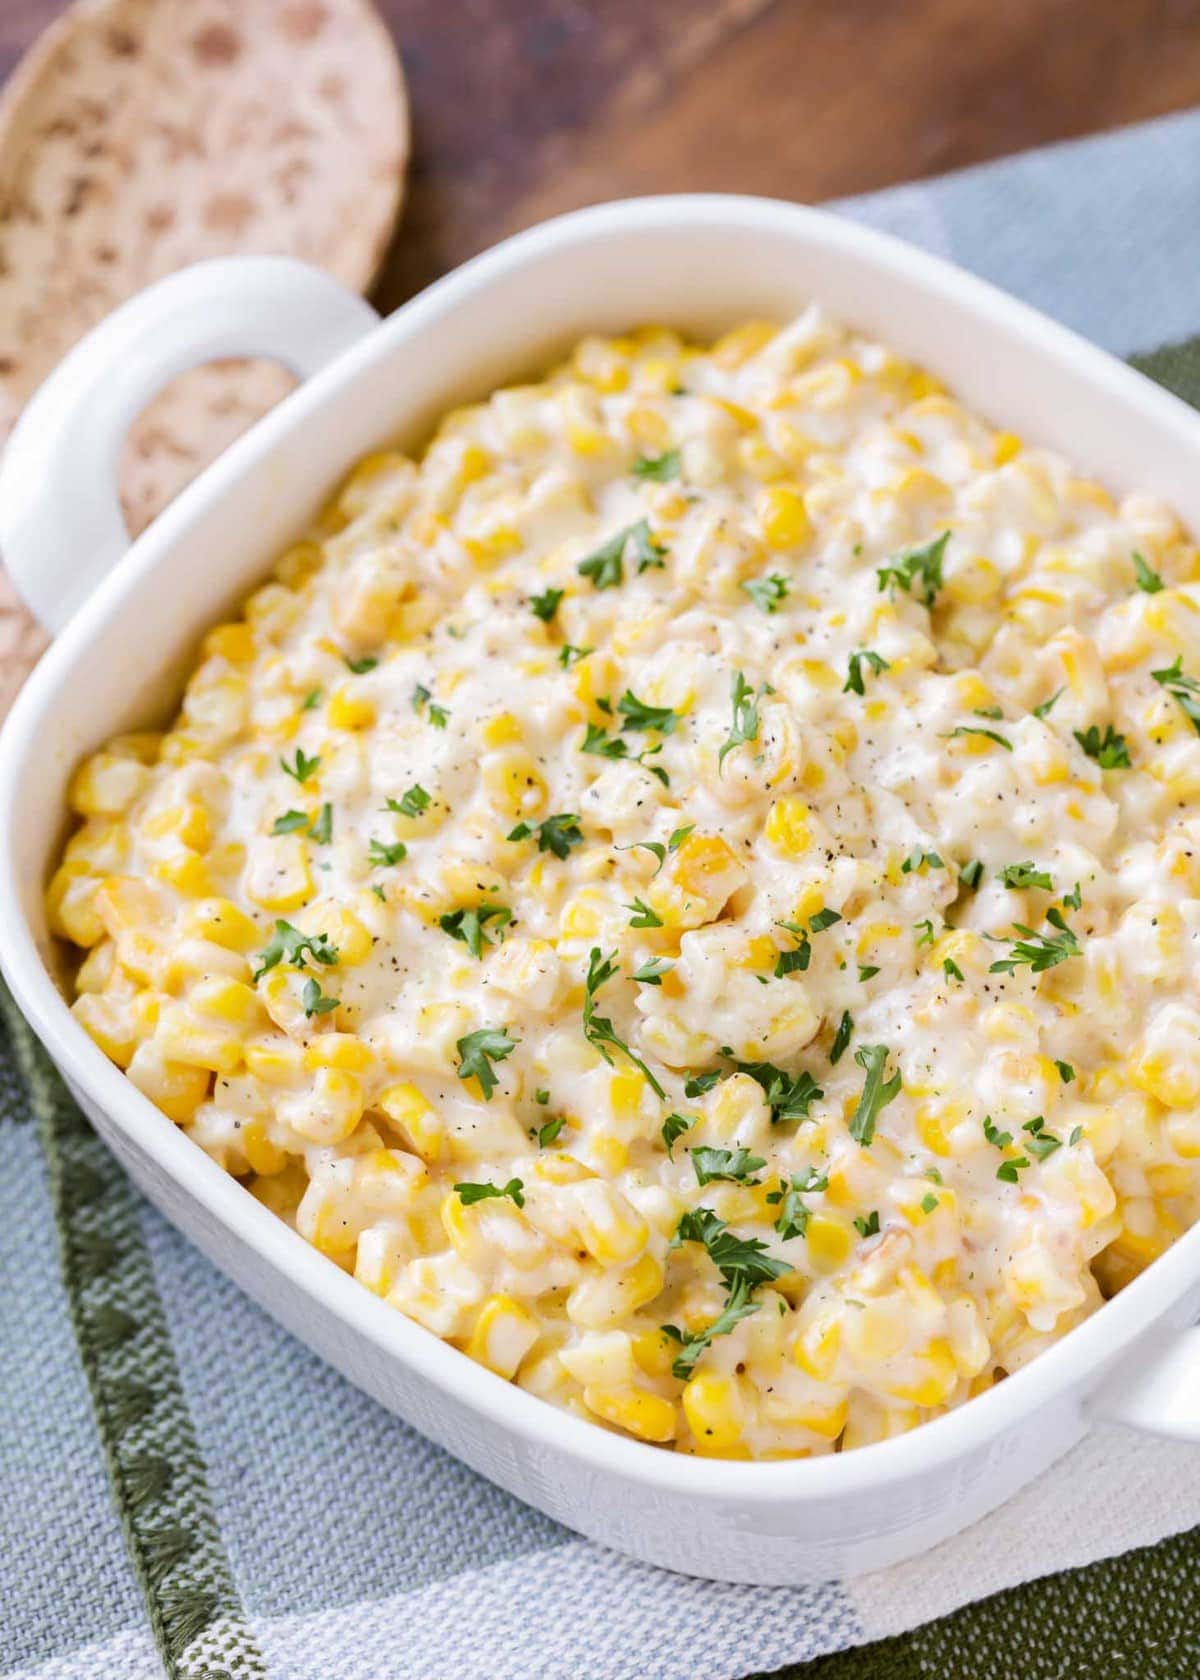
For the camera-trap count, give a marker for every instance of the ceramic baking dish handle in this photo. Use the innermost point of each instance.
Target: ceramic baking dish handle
(61, 527)
(1157, 1387)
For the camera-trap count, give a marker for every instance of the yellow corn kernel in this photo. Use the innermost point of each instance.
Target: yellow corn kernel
(234, 642)
(107, 785)
(783, 517)
(186, 872)
(504, 1333)
(350, 710)
(654, 1352)
(610, 1229)
(829, 1241)
(183, 1038)
(228, 1000)
(787, 826)
(742, 342)
(1005, 445)
(349, 937)
(934, 1378)
(418, 1120)
(330, 1109)
(276, 1061)
(279, 878)
(515, 785)
(109, 1023)
(177, 1089)
(714, 1410)
(71, 909)
(501, 730)
(220, 921)
(339, 1050)
(635, 1410)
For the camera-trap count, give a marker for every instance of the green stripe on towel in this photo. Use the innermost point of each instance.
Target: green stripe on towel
(157, 1474)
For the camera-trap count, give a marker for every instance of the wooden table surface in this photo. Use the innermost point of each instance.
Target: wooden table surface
(526, 107)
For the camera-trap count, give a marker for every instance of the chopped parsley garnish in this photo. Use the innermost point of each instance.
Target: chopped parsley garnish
(1039, 950)
(970, 875)
(555, 834)
(923, 564)
(768, 592)
(651, 973)
(1047, 706)
(793, 1216)
(545, 606)
(1065, 1071)
(731, 1165)
(410, 804)
(1008, 1170)
(699, 1083)
(605, 566)
(952, 971)
(789, 1095)
(824, 919)
(638, 715)
(311, 700)
(789, 962)
(867, 971)
(993, 1134)
(988, 734)
(549, 1132)
(917, 860)
(598, 741)
(598, 1029)
(744, 727)
(877, 1092)
(1026, 875)
(929, 1202)
(657, 469)
(468, 1193)
(302, 767)
(386, 854)
(868, 1226)
(289, 822)
(738, 1305)
(469, 925)
(315, 1001)
(360, 667)
(643, 916)
(841, 1038)
(1039, 1141)
(925, 929)
(568, 655)
(477, 1051)
(740, 1260)
(673, 1128)
(1184, 689)
(1147, 579)
(656, 847)
(322, 828)
(288, 944)
(1076, 1134)
(1110, 750)
(438, 716)
(854, 676)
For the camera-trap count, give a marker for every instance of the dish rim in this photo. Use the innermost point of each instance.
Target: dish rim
(1077, 1361)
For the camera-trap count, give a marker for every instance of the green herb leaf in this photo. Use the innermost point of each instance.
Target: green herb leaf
(876, 1094)
(867, 971)
(952, 971)
(928, 1202)
(411, 804)
(854, 676)
(740, 1260)
(289, 945)
(841, 1038)
(302, 768)
(568, 655)
(699, 1083)
(988, 734)
(1065, 1071)
(469, 925)
(657, 469)
(793, 1217)
(923, 564)
(918, 860)
(386, 854)
(643, 916)
(549, 1132)
(768, 592)
(1026, 875)
(361, 666)
(555, 834)
(731, 1165)
(693, 1343)
(477, 1051)
(744, 727)
(1184, 689)
(1047, 706)
(1039, 1141)
(651, 973)
(311, 700)
(970, 875)
(598, 1029)
(1110, 750)
(545, 606)
(673, 1128)
(868, 1226)
(638, 715)
(605, 566)
(468, 1193)
(1147, 579)
(993, 1134)
(289, 822)
(1039, 951)
(315, 1001)
(789, 1095)
(1008, 1170)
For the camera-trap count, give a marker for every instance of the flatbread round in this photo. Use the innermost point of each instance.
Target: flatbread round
(141, 135)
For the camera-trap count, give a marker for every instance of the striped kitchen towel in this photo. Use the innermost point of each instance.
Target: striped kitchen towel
(186, 1490)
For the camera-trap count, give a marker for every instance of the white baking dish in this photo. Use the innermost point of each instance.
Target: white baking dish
(126, 637)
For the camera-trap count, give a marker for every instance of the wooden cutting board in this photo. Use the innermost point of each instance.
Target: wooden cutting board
(137, 136)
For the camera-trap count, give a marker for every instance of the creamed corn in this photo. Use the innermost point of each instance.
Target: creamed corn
(690, 892)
